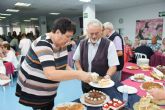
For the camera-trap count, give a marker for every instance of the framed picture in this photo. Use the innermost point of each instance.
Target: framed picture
(145, 29)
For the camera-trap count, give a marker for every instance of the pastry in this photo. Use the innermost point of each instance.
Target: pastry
(139, 76)
(76, 106)
(114, 104)
(150, 85)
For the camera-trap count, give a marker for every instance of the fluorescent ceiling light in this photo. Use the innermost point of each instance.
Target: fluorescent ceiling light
(54, 13)
(22, 4)
(85, 0)
(12, 10)
(27, 20)
(2, 17)
(33, 19)
(5, 14)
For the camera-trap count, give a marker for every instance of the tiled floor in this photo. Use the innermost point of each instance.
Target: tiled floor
(67, 91)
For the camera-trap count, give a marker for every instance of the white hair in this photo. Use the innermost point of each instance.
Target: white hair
(95, 22)
(108, 25)
(143, 42)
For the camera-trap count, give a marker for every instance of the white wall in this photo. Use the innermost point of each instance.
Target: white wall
(130, 15)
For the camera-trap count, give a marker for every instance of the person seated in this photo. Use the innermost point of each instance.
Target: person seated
(10, 55)
(154, 45)
(158, 94)
(162, 48)
(128, 54)
(143, 48)
(1, 51)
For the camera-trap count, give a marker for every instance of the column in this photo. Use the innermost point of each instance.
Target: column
(5, 30)
(43, 24)
(88, 14)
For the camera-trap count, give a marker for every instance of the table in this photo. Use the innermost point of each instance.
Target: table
(126, 73)
(157, 59)
(113, 93)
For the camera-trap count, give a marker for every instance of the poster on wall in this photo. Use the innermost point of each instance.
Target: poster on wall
(146, 29)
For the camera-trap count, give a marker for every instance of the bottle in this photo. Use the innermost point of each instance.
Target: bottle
(125, 95)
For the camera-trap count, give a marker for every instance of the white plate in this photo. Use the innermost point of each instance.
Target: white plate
(67, 103)
(99, 86)
(146, 78)
(4, 82)
(83, 101)
(132, 67)
(129, 89)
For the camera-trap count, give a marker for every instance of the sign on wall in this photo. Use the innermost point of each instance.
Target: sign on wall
(145, 29)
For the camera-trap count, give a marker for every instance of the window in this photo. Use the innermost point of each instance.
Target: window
(17, 29)
(29, 29)
(1, 30)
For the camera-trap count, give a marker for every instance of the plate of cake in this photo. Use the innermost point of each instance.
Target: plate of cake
(132, 67)
(140, 77)
(149, 85)
(94, 98)
(102, 83)
(145, 104)
(70, 106)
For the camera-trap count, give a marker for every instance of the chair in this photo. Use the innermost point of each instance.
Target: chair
(9, 70)
(140, 55)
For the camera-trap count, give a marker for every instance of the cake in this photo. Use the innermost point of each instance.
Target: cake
(145, 67)
(150, 85)
(161, 68)
(95, 97)
(75, 106)
(104, 82)
(95, 77)
(145, 104)
(114, 104)
(139, 76)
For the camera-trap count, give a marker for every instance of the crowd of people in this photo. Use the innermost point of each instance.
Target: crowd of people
(47, 60)
(141, 46)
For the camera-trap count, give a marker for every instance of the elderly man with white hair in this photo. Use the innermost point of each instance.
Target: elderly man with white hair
(96, 53)
(119, 44)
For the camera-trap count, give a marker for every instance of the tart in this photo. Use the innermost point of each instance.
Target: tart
(114, 104)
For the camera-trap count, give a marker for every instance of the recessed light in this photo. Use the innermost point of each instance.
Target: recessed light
(34, 19)
(12, 10)
(5, 14)
(54, 13)
(85, 0)
(2, 17)
(27, 20)
(22, 4)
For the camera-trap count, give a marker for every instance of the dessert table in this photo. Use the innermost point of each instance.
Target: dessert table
(112, 92)
(132, 98)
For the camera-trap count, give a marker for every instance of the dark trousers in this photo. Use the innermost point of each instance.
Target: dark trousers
(22, 58)
(47, 107)
(86, 87)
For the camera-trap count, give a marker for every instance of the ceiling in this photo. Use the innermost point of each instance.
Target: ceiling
(65, 7)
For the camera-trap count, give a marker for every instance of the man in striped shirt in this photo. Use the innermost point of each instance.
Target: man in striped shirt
(44, 66)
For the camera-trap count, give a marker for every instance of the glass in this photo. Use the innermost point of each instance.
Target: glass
(125, 95)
